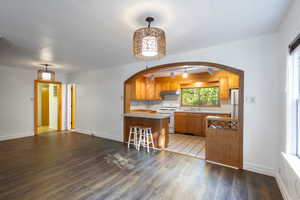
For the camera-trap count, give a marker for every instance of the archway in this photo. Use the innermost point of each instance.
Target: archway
(230, 69)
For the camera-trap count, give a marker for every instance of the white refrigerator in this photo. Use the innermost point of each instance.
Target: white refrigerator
(234, 95)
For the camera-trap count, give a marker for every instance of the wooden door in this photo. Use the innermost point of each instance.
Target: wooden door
(45, 106)
(73, 106)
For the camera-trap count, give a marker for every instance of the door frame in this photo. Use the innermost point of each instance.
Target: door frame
(239, 72)
(36, 82)
(71, 106)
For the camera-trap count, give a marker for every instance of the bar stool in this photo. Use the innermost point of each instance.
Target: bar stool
(133, 130)
(144, 135)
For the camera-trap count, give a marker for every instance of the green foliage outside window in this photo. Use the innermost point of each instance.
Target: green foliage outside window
(200, 96)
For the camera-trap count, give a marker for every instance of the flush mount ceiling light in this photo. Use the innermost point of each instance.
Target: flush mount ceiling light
(149, 42)
(45, 74)
(185, 74)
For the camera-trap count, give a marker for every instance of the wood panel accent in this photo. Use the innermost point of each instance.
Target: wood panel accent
(59, 88)
(160, 129)
(236, 72)
(193, 123)
(222, 143)
(75, 166)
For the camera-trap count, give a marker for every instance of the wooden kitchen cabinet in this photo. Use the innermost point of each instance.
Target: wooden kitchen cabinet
(143, 88)
(193, 123)
(189, 123)
(233, 81)
(224, 88)
(138, 87)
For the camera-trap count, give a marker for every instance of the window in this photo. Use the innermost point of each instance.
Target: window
(293, 145)
(297, 87)
(200, 96)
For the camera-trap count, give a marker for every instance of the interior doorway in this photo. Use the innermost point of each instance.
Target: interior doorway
(47, 106)
(208, 105)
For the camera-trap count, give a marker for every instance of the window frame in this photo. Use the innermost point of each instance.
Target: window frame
(293, 104)
(219, 99)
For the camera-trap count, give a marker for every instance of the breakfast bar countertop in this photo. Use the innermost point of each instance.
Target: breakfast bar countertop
(147, 115)
(204, 111)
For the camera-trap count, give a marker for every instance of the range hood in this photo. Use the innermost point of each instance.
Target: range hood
(169, 92)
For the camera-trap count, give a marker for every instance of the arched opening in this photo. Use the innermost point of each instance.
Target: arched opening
(234, 139)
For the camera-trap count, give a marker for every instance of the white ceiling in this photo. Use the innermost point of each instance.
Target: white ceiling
(79, 35)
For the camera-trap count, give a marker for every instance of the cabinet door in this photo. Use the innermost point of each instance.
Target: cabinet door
(233, 81)
(140, 87)
(224, 88)
(195, 125)
(180, 124)
(157, 89)
(174, 85)
(150, 89)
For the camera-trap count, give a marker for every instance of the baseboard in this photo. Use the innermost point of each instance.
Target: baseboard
(98, 134)
(15, 136)
(260, 169)
(282, 188)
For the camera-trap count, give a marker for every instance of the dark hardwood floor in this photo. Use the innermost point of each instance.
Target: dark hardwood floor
(67, 166)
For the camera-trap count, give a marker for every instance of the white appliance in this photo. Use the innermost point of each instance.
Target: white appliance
(234, 95)
(169, 110)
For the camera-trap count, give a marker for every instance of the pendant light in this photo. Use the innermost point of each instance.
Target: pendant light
(149, 42)
(45, 74)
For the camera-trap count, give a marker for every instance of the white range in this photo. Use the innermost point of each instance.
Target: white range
(170, 111)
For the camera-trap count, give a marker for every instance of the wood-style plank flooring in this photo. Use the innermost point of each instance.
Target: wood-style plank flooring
(75, 166)
(187, 144)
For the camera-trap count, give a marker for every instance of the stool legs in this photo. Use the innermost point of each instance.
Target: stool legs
(140, 138)
(134, 131)
(145, 138)
(147, 142)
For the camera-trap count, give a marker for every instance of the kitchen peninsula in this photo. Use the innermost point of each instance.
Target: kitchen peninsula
(159, 123)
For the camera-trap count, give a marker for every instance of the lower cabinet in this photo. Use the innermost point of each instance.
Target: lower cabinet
(193, 123)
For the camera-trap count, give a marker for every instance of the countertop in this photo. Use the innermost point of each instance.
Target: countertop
(147, 115)
(204, 111)
(221, 118)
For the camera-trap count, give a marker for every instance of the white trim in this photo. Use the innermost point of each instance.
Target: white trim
(15, 136)
(282, 188)
(293, 162)
(216, 163)
(101, 134)
(260, 169)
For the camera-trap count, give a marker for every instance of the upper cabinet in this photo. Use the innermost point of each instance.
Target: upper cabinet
(144, 88)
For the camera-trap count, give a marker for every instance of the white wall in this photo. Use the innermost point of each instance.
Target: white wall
(289, 175)
(16, 102)
(100, 91)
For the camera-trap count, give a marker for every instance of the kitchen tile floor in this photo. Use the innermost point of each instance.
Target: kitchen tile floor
(187, 144)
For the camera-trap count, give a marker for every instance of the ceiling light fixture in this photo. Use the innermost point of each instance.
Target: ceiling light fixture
(172, 74)
(185, 74)
(210, 71)
(149, 42)
(45, 74)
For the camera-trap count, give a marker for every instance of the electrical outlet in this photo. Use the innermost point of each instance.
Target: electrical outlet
(250, 100)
